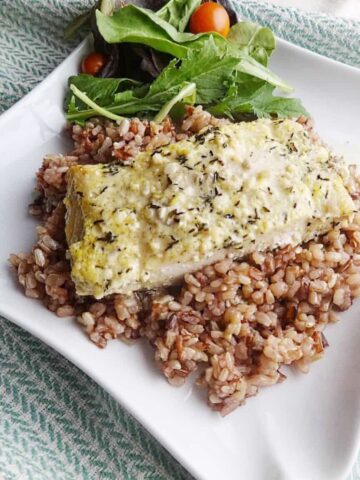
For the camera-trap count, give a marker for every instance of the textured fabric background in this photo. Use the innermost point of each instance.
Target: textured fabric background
(340, 8)
(56, 423)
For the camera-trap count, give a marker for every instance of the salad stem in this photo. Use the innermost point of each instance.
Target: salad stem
(90, 103)
(187, 92)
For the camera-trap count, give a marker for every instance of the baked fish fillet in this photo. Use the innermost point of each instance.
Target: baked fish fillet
(229, 190)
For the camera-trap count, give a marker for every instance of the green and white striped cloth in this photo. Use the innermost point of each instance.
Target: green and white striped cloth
(56, 423)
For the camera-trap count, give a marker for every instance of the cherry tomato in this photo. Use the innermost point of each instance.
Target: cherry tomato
(93, 63)
(210, 17)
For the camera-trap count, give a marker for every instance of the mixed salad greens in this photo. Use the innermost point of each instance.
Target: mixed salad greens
(152, 66)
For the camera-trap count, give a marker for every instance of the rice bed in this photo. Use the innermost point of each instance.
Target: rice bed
(239, 321)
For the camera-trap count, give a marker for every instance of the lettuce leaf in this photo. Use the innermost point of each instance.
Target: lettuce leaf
(138, 25)
(257, 41)
(178, 12)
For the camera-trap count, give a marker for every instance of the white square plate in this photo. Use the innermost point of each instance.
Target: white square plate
(304, 429)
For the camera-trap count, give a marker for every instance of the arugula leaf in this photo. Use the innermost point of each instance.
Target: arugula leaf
(258, 42)
(178, 12)
(209, 68)
(101, 90)
(266, 105)
(259, 102)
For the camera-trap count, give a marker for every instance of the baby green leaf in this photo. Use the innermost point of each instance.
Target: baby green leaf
(259, 42)
(259, 102)
(178, 12)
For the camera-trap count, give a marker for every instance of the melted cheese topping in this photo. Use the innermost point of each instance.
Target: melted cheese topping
(233, 189)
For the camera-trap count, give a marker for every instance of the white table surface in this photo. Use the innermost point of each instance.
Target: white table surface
(341, 8)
